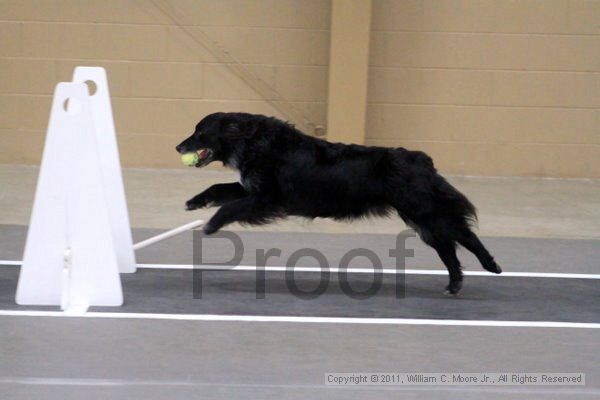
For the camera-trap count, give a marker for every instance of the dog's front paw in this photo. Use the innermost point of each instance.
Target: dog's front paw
(193, 205)
(209, 229)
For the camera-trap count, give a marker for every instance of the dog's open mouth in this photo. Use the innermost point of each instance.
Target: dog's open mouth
(204, 157)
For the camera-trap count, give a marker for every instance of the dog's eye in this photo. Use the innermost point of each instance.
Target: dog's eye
(233, 127)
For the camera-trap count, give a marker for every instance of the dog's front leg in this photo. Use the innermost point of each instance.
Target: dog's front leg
(217, 194)
(248, 209)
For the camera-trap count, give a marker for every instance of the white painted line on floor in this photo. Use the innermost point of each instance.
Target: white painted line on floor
(370, 271)
(351, 270)
(296, 319)
(485, 390)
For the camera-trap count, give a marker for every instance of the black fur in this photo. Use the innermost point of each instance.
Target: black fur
(285, 172)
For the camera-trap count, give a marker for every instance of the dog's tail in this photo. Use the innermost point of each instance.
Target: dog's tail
(447, 200)
(454, 202)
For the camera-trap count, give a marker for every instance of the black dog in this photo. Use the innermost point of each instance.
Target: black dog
(285, 172)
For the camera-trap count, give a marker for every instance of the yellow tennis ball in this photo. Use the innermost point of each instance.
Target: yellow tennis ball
(189, 159)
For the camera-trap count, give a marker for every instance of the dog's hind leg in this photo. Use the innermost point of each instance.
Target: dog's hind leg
(447, 253)
(471, 242)
(446, 250)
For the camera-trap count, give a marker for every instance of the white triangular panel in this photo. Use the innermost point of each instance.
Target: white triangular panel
(111, 165)
(70, 215)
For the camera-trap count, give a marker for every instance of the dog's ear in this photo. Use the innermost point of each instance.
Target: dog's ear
(240, 128)
(233, 127)
(252, 127)
(246, 128)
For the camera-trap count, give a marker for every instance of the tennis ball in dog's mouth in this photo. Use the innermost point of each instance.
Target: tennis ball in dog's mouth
(189, 159)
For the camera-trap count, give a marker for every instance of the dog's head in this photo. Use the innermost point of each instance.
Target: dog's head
(217, 137)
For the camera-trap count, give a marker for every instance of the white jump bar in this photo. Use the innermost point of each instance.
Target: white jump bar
(168, 234)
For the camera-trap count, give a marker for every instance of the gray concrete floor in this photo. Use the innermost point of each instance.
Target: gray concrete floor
(55, 358)
(530, 224)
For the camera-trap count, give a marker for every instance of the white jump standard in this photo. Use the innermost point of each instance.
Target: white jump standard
(79, 236)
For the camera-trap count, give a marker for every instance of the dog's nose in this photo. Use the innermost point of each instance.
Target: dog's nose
(178, 148)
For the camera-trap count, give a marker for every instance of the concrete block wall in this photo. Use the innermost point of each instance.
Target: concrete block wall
(489, 87)
(162, 80)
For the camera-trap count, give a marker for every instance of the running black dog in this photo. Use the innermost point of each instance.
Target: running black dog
(285, 172)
